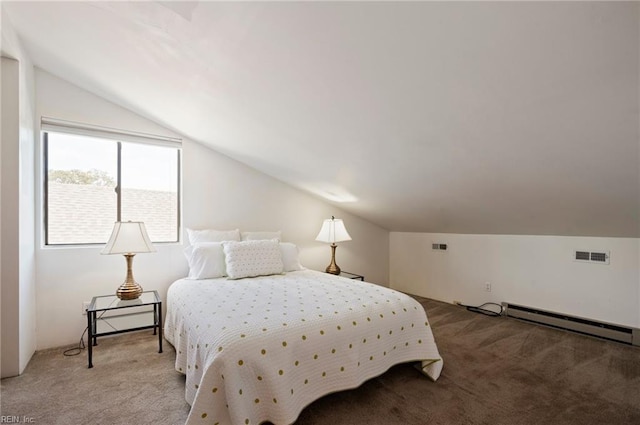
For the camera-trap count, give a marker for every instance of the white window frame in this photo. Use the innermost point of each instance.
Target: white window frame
(53, 125)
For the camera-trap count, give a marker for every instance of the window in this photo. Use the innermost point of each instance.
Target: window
(93, 178)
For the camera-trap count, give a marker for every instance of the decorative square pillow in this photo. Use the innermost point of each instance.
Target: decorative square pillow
(206, 260)
(256, 236)
(252, 258)
(211, 235)
(290, 259)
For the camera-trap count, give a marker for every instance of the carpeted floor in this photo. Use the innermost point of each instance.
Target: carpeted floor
(497, 371)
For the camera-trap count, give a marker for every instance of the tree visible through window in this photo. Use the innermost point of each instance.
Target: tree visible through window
(75, 176)
(92, 182)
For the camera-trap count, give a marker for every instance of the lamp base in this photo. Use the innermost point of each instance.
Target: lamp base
(333, 270)
(129, 290)
(333, 267)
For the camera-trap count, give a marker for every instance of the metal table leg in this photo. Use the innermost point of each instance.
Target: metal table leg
(90, 337)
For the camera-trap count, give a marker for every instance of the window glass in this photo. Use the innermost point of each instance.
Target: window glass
(150, 189)
(81, 196)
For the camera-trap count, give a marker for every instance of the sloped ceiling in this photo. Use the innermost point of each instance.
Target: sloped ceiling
(509, 118)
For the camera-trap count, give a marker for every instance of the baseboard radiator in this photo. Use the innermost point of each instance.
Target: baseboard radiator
(605, 330)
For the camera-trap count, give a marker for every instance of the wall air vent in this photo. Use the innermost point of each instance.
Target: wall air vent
(583, 255)
(597, 257)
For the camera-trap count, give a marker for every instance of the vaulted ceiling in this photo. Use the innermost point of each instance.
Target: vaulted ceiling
(462, 117)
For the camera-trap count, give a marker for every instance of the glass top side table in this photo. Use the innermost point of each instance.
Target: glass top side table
(149, 301)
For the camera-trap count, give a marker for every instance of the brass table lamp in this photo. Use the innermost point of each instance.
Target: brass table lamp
(129, 238)
(333, 231)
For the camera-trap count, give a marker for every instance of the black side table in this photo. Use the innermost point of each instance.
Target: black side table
(105, 303)
(351, 275)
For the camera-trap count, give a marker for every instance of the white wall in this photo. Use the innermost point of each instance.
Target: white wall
(536, 271)
(18, 204)
(217, 193)
(226, 194)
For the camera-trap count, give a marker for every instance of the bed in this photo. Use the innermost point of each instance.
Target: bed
(259, 337)
(261, 349)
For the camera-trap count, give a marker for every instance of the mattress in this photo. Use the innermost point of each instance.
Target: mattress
(262, 349)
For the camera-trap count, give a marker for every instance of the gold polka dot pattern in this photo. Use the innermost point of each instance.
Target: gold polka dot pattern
(283, 341)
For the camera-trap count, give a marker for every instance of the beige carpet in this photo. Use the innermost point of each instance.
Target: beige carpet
(497, 371)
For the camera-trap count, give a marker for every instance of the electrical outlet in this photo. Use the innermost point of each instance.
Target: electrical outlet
(487, 286)
(85, 306)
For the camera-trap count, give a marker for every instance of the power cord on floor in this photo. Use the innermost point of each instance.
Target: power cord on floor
(487, 312)
(74, 351)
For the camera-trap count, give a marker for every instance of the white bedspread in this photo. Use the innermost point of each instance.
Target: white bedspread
(262, 349)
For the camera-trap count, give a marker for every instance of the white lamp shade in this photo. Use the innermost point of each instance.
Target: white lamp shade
(128, 237)
(332, 231)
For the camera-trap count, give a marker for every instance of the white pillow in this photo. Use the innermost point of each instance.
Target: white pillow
(252, 258)
(211, 235)
(256, 236)
(290, 259)
(206, 260)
